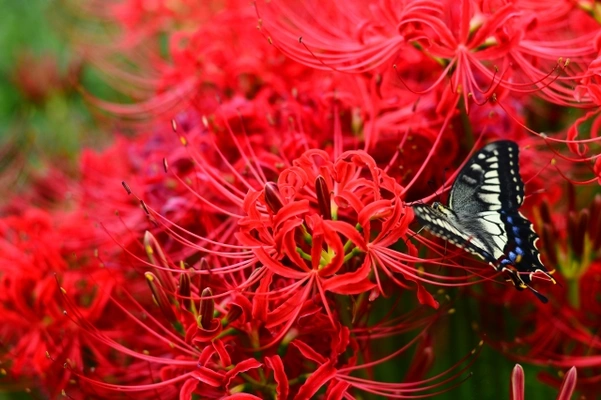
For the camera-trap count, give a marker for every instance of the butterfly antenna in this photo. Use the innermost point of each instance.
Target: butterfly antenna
(438, 191)
(539, 191)
(445, 171)
(433, 188)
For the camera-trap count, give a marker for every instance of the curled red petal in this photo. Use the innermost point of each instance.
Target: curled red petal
(289, 244)
(572, 135)
(241, 306)
(425, 297)
(316, 244)
(204, 335)
(259, 305)
(242, 366)
(315, 381)
(378, 209)
(279, 374)
(205, 355)
(290, 211)
(307, 351)
(345, 199)
(349, 231)
(208, 376)
(224, 357)
(337, 390)
(187, 389)
(276, 267)
(352, 282)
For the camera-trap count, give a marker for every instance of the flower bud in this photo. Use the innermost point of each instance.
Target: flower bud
(272, 197)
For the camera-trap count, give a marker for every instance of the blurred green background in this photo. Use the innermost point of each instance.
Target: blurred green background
(44, 119)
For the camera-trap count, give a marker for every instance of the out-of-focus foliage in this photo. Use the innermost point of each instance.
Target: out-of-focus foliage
(43, 117)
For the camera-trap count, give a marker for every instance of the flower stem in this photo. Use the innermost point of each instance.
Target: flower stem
(468, 133)
(573, 292)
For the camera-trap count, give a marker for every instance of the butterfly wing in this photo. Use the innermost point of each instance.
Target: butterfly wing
(490, 181)
(483, 214)
(442, 222)
(521, 250)
(488, 184)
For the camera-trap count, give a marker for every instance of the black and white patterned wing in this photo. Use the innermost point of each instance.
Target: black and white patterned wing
(521, 251)
(488, 186)
(442, 222)
(490, 181)
(486, 196)
(483, 214)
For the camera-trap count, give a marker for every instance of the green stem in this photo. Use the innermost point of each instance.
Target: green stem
(574, 292)
(352, 254)
(468, 133)
(303, 255)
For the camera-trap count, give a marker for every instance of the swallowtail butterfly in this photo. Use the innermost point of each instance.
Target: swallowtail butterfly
(483, 217)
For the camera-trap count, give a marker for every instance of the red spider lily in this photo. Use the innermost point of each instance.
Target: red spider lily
(572, 245)
(466, 39)
(207, 63)
(467, 47)
(384, 113)
(517, 384)
(563, 334)
(34, 333)
(286, 95)
(214, 348)
(351, 226)
(278, 236)
(270, 254)
(271, 95)
(362, 198)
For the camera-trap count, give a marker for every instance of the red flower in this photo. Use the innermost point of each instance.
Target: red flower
(270, 253)
(469, 41)
(39, 342)
(563, 333)
(295, 242)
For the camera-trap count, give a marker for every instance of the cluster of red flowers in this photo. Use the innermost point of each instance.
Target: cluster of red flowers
(256, 238)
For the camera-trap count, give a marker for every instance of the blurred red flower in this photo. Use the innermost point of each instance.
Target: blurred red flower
(254, 239)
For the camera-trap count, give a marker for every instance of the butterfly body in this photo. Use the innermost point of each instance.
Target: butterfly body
(483, 214)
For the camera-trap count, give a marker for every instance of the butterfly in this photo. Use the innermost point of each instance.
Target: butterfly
(483, 215)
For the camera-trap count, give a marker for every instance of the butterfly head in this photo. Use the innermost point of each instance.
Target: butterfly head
(441, 208)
